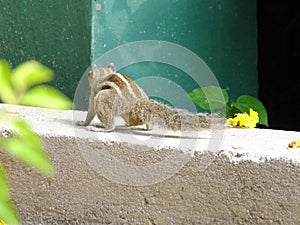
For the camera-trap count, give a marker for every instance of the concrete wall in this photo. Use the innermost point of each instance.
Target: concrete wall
(252, 179)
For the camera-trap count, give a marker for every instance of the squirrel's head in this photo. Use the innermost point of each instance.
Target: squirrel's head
(100, 73)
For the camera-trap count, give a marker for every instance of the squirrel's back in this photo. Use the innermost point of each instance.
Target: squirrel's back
(123, 86)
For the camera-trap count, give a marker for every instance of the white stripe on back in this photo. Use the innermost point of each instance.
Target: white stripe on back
(127, 84)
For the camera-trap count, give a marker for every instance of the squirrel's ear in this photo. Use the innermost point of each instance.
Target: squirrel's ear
(95, 71)
(112, 67)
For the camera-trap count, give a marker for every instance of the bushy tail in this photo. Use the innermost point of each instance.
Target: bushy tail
(176, 119)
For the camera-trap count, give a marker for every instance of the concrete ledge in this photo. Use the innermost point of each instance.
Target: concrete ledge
(252, 178)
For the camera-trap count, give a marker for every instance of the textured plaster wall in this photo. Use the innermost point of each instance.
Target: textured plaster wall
(226, 193)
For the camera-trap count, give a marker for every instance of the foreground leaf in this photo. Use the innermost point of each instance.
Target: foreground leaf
(7, 211)
(27, 147)
(4, 191)
(30, 73)
(47, 97)
(210, 97)
(6, 90)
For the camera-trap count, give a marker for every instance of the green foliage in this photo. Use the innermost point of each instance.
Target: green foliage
(214, 98)
(28, 74)
(245, 102)
(27, 147)
(22, 86)
(7, 210)
(210, 97)
(18, 86)
(6, 90)
(47, 97)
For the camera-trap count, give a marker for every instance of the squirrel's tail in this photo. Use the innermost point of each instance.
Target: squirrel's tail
(173, 118)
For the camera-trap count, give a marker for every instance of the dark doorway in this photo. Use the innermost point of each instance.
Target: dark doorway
(279, 62)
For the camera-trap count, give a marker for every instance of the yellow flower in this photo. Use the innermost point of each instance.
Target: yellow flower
(2, 223)
(244, 120)
(294, 144)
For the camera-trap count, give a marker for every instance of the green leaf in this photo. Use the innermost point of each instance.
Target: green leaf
(210, 97)
(47, 97)
(6, 90)
(229, 110)
(27, 147)
(245, 102)
(4, 191)
(7, 211)
(30, 73)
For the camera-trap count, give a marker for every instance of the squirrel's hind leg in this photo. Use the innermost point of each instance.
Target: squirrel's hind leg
(99, 129)
(104, 109)
(139, 117)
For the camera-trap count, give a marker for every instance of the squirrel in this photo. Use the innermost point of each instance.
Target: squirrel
(114, 94)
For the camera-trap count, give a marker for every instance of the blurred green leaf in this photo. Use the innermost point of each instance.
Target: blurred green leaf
(7, 211)
(210, 97)
(245, 102)
(30, 73)
(4, 192)
(27, 147)
(19, 87)
(47, 97)
(6, 91)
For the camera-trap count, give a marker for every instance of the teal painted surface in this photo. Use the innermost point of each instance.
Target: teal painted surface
(222, 33)
(57, 33)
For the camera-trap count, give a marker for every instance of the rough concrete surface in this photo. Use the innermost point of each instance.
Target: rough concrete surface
(251, 178)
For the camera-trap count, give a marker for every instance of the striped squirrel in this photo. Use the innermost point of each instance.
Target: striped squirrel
(114, 94)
